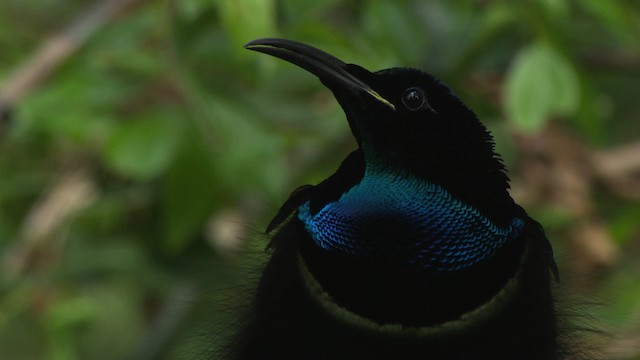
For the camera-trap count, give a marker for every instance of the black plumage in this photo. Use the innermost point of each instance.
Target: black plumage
(413, 248)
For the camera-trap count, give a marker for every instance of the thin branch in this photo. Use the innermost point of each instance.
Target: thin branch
(71, 192)
(54, 50)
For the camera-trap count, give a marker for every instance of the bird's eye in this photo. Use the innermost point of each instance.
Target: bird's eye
(414, 99)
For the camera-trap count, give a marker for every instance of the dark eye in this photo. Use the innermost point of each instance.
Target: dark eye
(414, 99)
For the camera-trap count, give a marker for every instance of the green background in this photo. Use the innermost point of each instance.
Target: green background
(137, 177)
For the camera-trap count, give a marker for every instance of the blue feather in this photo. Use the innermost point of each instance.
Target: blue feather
(407, 222)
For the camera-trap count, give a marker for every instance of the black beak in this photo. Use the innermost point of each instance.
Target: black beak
(331, 70)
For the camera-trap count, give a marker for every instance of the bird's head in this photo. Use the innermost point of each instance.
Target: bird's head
(408, 123)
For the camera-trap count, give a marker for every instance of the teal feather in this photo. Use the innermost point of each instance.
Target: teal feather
(406, 221)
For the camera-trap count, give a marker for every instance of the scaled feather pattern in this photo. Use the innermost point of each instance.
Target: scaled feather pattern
(406, 222)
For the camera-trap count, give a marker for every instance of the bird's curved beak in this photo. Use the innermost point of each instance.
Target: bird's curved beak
(331, 70)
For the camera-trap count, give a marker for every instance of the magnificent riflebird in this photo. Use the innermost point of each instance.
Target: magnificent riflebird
(413, 248)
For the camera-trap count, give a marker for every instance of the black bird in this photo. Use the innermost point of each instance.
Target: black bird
(413, 248)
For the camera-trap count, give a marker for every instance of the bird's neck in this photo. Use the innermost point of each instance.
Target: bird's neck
(413, 239)
(408, 224)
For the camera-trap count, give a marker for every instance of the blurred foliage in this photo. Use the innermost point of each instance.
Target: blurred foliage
(161, 141)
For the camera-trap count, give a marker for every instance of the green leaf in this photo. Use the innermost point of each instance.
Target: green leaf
(191, 9)
(540, 83)
(142, 149)
(555, 7)
(188, 196)
(246, 20)
(624, 225)
(390, 23)
(68, 313)
(252, 154)
(617, 17)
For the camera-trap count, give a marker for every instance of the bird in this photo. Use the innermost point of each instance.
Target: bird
(413, 248)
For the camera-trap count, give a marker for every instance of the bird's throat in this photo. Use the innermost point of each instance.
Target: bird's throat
(397, 249)
(388, 294)
(406, 223)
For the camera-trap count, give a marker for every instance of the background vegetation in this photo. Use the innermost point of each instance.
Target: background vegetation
(141, 146)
